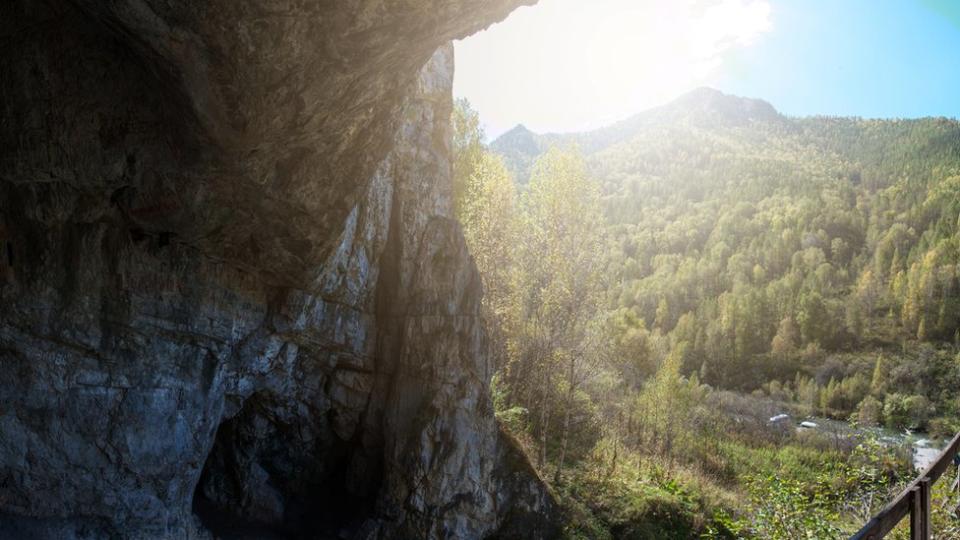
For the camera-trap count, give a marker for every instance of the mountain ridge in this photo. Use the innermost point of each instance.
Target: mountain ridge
(703, 107)
(707, 110)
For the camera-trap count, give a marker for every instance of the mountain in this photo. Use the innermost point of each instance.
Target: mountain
(702, 107)
(519, 148)
(730, 225)
(765, 263)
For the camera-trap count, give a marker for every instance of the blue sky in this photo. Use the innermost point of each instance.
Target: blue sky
(567, 65)
(880, 58)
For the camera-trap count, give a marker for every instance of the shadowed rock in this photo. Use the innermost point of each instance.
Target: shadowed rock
(233, 282)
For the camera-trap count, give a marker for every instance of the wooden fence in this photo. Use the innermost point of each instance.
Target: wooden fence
(913, 501)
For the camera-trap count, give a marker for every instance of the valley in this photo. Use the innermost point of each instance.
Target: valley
(724, 264)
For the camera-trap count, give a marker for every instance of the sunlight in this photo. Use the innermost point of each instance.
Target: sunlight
(567, 65)
(603, 269)
(690, 287)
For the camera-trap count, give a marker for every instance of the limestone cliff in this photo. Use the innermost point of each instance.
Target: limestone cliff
(230, 283)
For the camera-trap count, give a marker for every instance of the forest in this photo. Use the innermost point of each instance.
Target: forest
(658, 291)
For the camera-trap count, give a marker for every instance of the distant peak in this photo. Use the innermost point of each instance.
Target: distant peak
(518, 129)
(519, 136)
(711, 104)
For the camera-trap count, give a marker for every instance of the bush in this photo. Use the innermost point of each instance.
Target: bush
(870, 412)
(903, 411)
(783, 509)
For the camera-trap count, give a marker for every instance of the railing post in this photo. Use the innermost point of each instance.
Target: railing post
(916, 527)
(924, 486)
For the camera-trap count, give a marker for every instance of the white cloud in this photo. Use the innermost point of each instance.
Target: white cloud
(568, 64)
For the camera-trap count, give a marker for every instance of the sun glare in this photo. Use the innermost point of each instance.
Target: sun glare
(566, 65)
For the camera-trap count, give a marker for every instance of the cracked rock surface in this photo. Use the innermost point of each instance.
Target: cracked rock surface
(232, 294)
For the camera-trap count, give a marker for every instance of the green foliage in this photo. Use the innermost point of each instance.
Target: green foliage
(615, 494)
(672, 413)
(488, 213)
(783, 509)
(632, 356)
(540, 258)
(819, 498)
(513, 417)
(467, 148)
(868, 477)
(901, 411)
(777, 234)
(654, 301)
(870, 412)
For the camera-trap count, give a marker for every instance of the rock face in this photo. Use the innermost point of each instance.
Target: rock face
(230, 282)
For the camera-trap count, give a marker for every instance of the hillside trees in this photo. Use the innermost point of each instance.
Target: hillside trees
(666, 293)
(753, 233)
(489, 215)
(769, 256)
(557, 286)
(467, 149)
(540, 256)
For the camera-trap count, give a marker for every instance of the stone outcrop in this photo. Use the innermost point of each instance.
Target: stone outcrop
(232, 294)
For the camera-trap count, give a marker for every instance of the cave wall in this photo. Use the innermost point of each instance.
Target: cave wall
(232, 283)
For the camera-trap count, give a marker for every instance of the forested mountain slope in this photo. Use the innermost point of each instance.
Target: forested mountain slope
(765, 247)
(703, 107)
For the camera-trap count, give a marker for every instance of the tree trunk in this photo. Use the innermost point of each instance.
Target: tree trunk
(613, 460)
(618, 434)
(568, 405)
(563, 443)
(542, 457)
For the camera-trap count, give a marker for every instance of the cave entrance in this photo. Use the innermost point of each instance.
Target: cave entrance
(261, 480)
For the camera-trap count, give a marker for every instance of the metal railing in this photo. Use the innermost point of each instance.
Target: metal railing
(914, 501)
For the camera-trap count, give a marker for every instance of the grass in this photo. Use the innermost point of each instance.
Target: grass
(639, 497)
(617, 493)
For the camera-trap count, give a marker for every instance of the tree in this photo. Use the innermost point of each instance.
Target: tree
(787, 338)
(556, 282)
(580, 364)
(830, 398)
(488, 214)
(878, 382)
(867, 292)
(663, 317)
(870, 412)
(632, 354)
(669, 404)
(814, 319)
(919, 409)
(467, 148)
(895, 411)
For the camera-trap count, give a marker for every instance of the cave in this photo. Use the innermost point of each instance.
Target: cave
(241, 299)
(260, 479)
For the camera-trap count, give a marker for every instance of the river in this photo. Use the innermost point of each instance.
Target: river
(924, 451)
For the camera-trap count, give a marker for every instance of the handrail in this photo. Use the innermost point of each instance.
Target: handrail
(913, 500)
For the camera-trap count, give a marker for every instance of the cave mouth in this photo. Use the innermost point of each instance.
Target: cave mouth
(261, 481)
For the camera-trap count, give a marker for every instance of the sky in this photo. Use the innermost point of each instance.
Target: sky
(571, 65)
